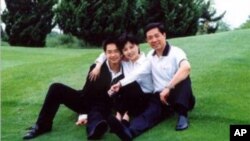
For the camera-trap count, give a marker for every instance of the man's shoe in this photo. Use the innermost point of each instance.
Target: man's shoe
(119, 129)
(36, 131)
(182, 123)
(98, 131)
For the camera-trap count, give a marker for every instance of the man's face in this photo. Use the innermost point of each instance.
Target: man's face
(113, 54)
(156, 39)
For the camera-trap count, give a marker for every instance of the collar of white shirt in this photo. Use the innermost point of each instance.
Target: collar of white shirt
(114, 74)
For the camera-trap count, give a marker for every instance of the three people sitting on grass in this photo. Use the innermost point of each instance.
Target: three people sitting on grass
(145, 88)
(170, 69)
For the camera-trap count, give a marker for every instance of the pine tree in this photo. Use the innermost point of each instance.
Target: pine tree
(180, 17)
(209, 22)
(95, 20)
(28, 21)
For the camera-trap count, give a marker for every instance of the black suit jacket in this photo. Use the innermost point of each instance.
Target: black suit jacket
(95, 92)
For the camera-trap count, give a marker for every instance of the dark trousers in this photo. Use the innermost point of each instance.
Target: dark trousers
(144, 107)
(181, 98)
(75, 100)
(130, 98)
(149, 117)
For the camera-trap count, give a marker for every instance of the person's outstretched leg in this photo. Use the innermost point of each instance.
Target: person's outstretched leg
(147, 119)
(57, 94)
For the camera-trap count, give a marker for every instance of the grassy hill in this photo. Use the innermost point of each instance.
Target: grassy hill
(220, 76)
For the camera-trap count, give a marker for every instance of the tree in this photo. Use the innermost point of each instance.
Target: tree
(223, 26)
(246, 24)
(180, 17)
(209, 23)
(3, 35)
(95, 20)
(28, 21)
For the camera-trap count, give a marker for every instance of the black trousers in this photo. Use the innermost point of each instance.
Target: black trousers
(181, 98)
(130, 98)
(150, 116)
(144, 107)
(73, 99)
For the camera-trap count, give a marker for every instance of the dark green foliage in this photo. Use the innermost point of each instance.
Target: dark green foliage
(209, 22)
(180, 17)
(95, 20)
(28, 21)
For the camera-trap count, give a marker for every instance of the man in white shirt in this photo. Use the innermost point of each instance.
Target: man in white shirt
(170, 69)
(170, 72)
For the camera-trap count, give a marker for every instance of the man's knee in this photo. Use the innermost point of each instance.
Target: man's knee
(55, 86)
(55, 89)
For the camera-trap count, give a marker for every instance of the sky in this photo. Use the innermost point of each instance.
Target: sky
(237, 11)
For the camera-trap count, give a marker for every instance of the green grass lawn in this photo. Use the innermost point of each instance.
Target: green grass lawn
(220, 75)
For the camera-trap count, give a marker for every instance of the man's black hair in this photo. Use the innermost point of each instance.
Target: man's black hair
(110, 40)
(158, 25)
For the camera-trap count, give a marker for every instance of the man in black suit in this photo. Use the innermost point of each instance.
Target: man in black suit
(92, 99)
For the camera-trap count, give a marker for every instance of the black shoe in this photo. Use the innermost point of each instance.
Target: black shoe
(36, 131)
(182, 123)
(98, 131)
(119, 129)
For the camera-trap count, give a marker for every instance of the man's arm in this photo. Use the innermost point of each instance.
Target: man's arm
(182, 73)
(87, 80)
(94, 74)
(135, 74)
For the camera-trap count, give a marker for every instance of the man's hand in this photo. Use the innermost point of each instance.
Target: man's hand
(114, 89)
(94, 74)
(164, 95)
(82, 119)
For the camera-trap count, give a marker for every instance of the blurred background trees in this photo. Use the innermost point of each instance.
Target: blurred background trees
(246, 24)
(209, 23)
(180, 17)
(94, 20)
(29, 21)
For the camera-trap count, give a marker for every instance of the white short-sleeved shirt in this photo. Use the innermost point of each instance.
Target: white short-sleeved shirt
(164, 67)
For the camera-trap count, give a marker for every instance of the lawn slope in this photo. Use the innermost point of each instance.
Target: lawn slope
(220, 78)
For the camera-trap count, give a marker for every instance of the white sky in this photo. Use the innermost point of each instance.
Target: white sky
(237, 10)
